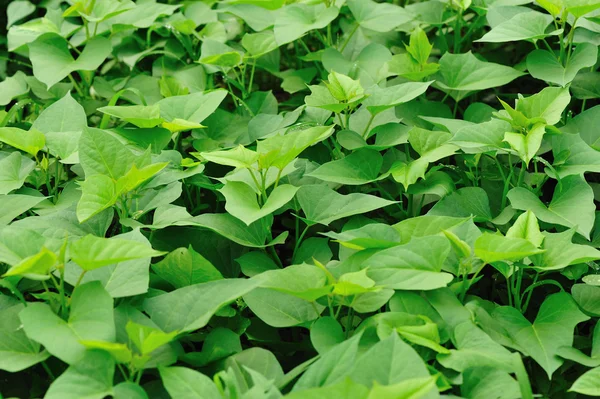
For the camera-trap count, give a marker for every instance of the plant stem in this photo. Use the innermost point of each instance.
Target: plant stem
(352, 32)
(299, 240)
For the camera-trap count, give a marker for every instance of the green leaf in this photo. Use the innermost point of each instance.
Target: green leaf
(416, 265)
(280, 150)
(530, 25)
(580, 8)
(17, 10)
(552, 329)
(129, 390)
(548, 104)
(120, 279)
(52, 60)
(343, 88)
(572, 204)
(17, 351)
(98, 192)
(238, 157)
(360, 167)
(14, 169)
(494, 247)
(544, 65)
(560, 252)
(372, 235)
(332, 367)
(464, 202)
(257, 44)
(184, 266)
(294, 20)
(419, 47)
(91, 252)
(581, 157)
(325, 333)
(141, 116)
(526, 145)
(29, 141)
(35, 267)
(475, 349)
(587, 383)
(91, 318)
(91, 377)
(13, 205)
(65, 115)
(381, 99)
(323, 205)
(13, 86)
(190, 308)
(184, 383)
(388, 362)
(462, 74)
(379, 17)
(280, 309)
(194, 107)
(101, 153)
(241, 201)
(148, 339)
(526, 227)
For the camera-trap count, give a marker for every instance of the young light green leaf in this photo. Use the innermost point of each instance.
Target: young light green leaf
(93, 252)
(238, 157)
(142, 116)
(526, 226)
(101, 153)
(560, 252)
(147, 339)
(494, 247)
(35, 267)
(241, 200)
(29, 141)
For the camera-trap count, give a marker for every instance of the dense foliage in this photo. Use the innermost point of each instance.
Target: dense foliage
(301, 199)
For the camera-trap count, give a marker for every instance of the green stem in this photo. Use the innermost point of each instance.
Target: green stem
(80, 278)
(251, 77)
(457, 29)
(50, 374)
(366, 131)
(352, 32)
(299, 240)
(77, 88)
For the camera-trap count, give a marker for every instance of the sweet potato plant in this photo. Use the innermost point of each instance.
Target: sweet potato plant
(247, 199)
